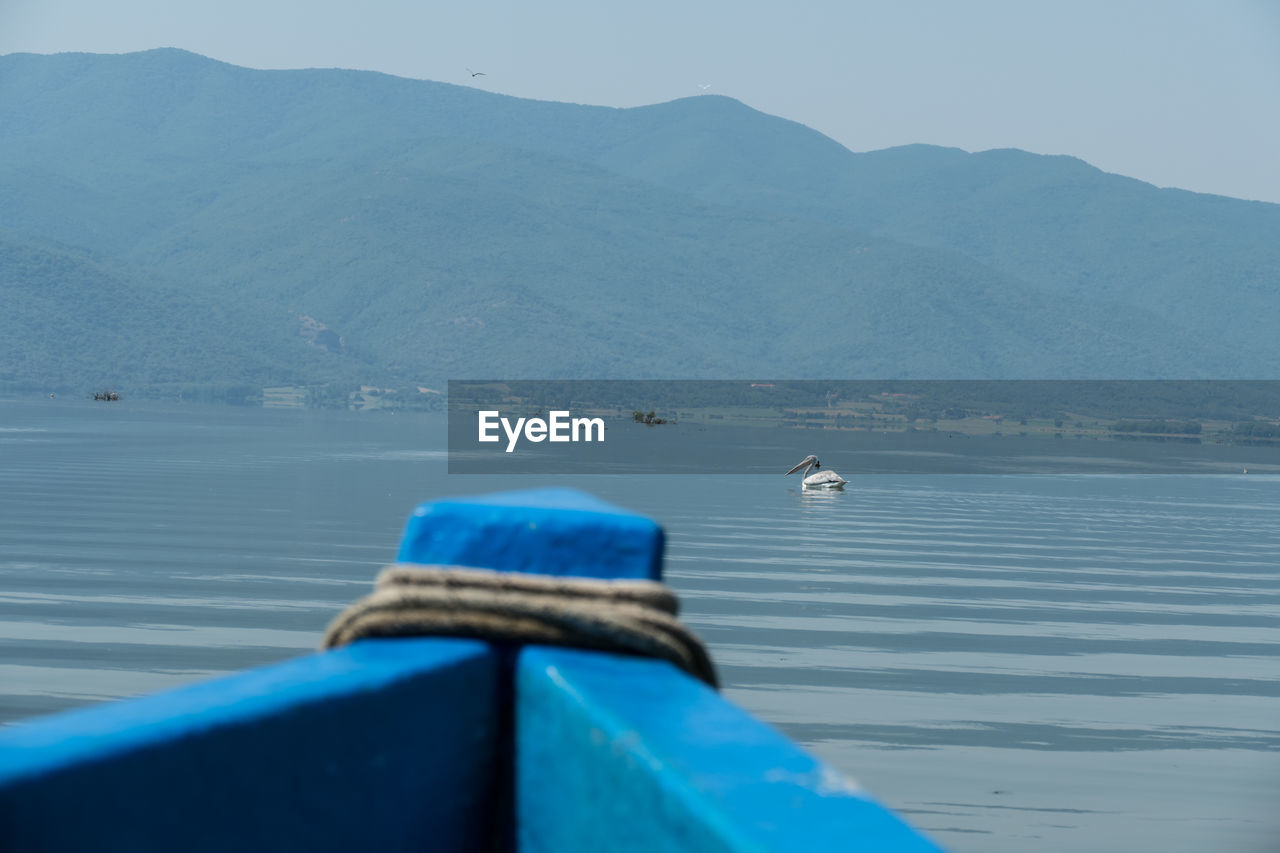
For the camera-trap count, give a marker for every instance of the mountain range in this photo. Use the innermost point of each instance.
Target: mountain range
(167, 220)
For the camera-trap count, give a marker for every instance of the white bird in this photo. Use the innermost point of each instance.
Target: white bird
(827, 479)
(704, 86)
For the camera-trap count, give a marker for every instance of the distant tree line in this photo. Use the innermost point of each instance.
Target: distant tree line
(1171, 402)
(1158, 427)
(1255, 429)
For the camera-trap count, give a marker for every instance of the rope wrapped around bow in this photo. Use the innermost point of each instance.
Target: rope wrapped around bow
(636, 617)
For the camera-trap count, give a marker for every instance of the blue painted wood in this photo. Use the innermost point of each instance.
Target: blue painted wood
(408, 743)
(543, 531)
(379, 745)
(623, 754)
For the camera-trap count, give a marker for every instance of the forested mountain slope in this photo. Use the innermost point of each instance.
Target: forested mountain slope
(220, 216)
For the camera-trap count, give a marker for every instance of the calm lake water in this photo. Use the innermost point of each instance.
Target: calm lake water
(1012, 662)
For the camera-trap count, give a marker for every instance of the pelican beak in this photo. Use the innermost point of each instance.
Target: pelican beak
(797, 468)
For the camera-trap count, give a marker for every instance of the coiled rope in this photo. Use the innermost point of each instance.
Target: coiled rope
(625, 616)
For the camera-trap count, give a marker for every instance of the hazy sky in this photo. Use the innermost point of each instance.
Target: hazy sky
(1177, 93)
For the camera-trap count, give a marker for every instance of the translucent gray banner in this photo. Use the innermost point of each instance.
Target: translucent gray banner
(864, 426)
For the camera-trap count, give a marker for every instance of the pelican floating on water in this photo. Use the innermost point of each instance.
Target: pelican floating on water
(820, 479)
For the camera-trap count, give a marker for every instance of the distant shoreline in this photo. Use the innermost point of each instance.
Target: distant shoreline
(1198, 411)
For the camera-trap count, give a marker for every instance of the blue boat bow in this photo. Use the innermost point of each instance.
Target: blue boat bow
(443, 743)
